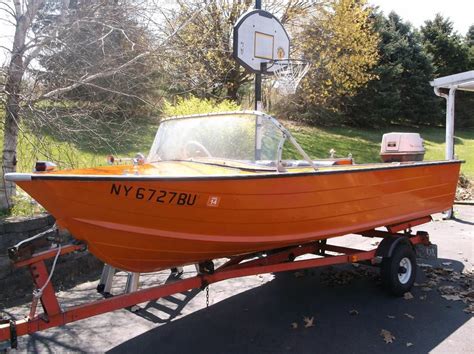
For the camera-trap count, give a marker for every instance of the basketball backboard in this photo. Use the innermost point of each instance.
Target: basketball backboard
(259, 37)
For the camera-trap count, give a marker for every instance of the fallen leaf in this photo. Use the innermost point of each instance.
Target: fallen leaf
(424, 265)
(409, 316)
(452, 297)
(391, 317)
(309, 322)
(469, 294)
(443, 271)
(447, 263)
(469, 309)
(408, 296)
(353, 312)
(409, 344)
(387, 336)
(447, 289)
(294, 325)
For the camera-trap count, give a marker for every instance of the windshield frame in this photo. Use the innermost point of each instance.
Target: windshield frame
(260, 118)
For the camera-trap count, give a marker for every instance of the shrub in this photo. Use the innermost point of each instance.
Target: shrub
(24, 205)
(194, 105)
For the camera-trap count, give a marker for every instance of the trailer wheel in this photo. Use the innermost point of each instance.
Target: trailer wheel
(398, 271)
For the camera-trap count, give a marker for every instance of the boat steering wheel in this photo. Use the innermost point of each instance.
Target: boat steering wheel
(201, 148)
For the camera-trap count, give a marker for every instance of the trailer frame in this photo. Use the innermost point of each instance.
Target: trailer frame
(270, 261)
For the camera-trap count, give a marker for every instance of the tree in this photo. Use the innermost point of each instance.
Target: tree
(401, 90)
(21, 56)
(449, 54)
(199, 59)
(470, 44)
(110, 42)
(465, 100)
(46, 32)
(342, 46)
(470, 36)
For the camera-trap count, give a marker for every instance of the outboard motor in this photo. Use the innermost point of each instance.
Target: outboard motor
(402, 147)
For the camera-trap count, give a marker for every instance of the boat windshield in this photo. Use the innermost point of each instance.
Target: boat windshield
(242, 137)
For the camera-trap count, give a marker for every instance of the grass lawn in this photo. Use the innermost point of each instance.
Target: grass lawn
(69, 155)
(363, 144)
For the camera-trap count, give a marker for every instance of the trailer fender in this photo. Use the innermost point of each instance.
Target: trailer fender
(388, 245)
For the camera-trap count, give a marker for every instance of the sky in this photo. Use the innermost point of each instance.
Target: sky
(460, 12)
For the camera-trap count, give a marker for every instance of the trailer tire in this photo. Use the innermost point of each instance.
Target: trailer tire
(398, 272)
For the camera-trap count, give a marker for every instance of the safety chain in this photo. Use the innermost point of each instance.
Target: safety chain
(38, 293)
(207, 296)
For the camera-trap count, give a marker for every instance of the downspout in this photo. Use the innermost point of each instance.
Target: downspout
(450, 99)
(449, 154)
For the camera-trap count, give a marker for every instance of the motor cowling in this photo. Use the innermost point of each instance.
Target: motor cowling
(402, 147)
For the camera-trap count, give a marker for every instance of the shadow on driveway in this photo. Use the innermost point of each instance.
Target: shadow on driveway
(259, 320)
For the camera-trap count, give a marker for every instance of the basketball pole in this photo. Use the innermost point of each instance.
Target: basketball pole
(258, 76)
(258, 92)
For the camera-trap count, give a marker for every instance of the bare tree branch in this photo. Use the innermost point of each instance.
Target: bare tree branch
(62, 90)
(18, 9)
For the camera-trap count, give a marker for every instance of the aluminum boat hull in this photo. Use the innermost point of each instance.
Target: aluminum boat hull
(144, 222)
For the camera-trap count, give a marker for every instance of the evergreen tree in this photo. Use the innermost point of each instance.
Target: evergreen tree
(470, 44)
(465, 100)
(450, 54)
(470, 36)
(401, 92)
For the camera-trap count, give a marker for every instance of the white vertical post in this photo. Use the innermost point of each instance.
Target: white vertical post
(450, 105)
(258, 138)
(450, 123)
(450, 99)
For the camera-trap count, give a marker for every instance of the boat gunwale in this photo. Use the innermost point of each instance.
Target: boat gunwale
(21, 177)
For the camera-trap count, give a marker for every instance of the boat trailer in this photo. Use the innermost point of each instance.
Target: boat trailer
(395, 254)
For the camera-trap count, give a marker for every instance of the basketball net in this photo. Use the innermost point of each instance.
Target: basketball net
(288, 74)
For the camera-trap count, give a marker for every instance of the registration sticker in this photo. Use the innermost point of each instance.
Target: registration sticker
(213, 201)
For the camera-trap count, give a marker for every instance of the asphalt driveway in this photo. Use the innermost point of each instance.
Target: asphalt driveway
(331, 310)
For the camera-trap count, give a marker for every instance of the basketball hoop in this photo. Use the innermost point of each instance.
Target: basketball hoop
(288, 74)
(260, 45)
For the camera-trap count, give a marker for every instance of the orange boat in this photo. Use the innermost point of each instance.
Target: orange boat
(219, 185)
